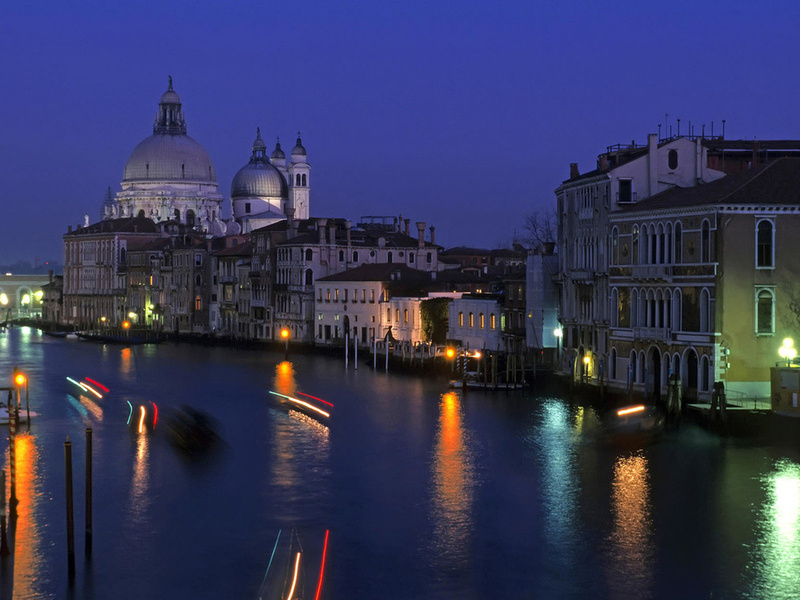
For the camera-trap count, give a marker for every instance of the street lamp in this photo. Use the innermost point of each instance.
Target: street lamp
(285, 336)
(558, 332)
(788, 351)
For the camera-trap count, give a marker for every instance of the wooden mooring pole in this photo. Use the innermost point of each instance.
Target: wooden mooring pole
(88, 539)
(70, 519)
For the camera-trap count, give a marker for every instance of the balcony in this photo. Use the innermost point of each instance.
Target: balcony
(654, 334)
(653, 272)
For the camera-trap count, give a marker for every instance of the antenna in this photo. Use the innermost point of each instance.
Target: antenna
(679, 128)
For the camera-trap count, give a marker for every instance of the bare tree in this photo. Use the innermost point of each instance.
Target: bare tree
(541, 227)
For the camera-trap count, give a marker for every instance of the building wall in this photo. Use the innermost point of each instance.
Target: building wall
(473, 335)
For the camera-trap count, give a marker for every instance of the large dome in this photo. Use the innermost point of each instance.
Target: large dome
(259, 180)
(169, 157)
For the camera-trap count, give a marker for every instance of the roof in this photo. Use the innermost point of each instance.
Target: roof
(379, 272)
(125, 225)
(777, 182)
(245, 249)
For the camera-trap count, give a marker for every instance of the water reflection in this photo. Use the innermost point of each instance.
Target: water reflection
(453, 487)
(776, 558)
(295, 436)
(140, 482)
(126, 364)
(632, 551)
(30, 568)
(555, 438)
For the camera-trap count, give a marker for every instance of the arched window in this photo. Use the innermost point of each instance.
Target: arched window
(705, 243)
(471, 320)
(634, 307)
(765, 313)
(492, 321)
(614, 307)
(309, 277)
(177, 214)
(765, 244)
(309, 255)
(303, 180)
(190, 218)
(676, 310)
(635, 245)
(615, 246)
(355, 256)
(460, 319)
(672, 159)
(140, 214)
(297, 179)
(678, 245)
(122, 256)
(429, 257)
(389, 257)
(632, 366)
(198, 281)
(481, 322)
(341, 256)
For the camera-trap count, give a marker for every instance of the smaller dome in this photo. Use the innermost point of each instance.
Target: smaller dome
(259, 143)
(278, 153)
(170, 96)
(259, 180)
(298, 149)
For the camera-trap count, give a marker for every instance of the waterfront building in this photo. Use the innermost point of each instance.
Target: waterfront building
(703, 284)
(52, 298)
(624, 177)
(291, 255)
(475, 321)
(231, 305)
(22, 296)
(95, 269)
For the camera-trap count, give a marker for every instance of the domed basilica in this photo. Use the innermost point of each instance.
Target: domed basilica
(170, 177)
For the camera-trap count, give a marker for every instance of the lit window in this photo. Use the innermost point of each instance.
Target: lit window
(481, 322)
(492, 321)
(405, 315)
(460, 319)
(471, 320)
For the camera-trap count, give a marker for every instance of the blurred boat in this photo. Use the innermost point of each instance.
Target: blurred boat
(634, 425)
(23, 414)
(191, 430)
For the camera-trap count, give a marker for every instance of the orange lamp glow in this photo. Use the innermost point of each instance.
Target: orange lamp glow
(450, 352)
(126, 324)
(20, 379)
(284, 333)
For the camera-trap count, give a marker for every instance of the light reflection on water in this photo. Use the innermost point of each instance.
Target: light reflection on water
(453, 487)
(631, 549)
(775, 559)
(139, 500)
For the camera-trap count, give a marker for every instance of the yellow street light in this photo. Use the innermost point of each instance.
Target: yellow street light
(20, 379)
(450, 352)
(126, 324)
(788, 352)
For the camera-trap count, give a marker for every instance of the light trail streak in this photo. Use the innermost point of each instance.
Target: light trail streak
(322, 566)
(294, 579)
(277, 539)
(302, 403)
(141, 420)
(98, 384)
(78, 383)
(627, 411)
(155, 416)
(315, 398)
(91, 389)
(130, 415)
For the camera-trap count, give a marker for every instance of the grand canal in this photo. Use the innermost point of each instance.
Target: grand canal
(426, 494)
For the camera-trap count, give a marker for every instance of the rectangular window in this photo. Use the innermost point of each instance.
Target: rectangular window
(625, 193)
(336, 297)
(328, 296)
(481, 322)
(492, 321)
(460, 319)
(471, 320)
(389, 315)
(372, 296)
(405, 315)
(397, 314)
(345, 294)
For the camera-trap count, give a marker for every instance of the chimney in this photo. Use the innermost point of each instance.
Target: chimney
(573, 171)
(408, 225)
(290, 233)
(421, 233)
(603, 162)
(321, 224)
(85, 220)
(332, 232)
(50, 275)
(69, 228)
(347, 226)
(433, 235)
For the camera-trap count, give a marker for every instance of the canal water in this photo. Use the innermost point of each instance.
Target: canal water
(425, 493)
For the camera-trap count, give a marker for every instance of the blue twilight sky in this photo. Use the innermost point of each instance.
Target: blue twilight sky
(464, 114)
